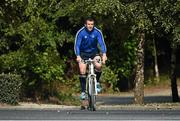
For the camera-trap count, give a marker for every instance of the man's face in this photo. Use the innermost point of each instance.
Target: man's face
(89, 25)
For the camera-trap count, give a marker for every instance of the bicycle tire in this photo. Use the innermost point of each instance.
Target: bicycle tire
(92, 96)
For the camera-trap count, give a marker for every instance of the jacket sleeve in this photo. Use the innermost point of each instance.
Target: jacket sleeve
(77, 44)
(101, 42)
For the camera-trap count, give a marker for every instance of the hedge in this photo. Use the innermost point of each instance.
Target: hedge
(10, 85)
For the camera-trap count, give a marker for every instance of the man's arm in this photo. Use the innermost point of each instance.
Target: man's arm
(77, 44)
(102, 45)
(101, 42)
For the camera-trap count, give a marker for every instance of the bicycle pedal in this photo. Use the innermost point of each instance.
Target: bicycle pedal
(83, 108)
(84, 103)
(88, 108)
(94, 109)
(91, 109)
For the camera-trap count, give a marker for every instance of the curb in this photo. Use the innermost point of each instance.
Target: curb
(34, 106)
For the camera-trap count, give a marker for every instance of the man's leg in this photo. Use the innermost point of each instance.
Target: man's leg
(82, 78)
(98, 66)
(98, 72)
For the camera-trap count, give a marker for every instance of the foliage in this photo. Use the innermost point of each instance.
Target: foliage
(109, 79)
(37, 38)
(10, 85)
(35, 54)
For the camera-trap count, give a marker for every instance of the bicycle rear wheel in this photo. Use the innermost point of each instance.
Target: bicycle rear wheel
(92, 96)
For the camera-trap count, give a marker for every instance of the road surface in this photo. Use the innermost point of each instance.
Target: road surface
(128, 112)
(89, 115)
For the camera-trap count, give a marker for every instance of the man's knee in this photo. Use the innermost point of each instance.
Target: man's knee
(98, 66)
(82, 69)
(82, 72)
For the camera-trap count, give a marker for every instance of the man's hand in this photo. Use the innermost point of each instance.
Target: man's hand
(78, 59)
(104, 58)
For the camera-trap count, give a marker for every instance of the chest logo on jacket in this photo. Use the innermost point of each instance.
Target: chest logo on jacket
(92, 36)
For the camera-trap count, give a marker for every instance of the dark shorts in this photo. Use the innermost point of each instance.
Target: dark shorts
(86, 56)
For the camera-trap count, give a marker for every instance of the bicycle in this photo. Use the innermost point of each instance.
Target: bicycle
(91, 85)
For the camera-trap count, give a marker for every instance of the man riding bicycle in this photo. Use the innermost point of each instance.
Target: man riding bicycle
(86, 46)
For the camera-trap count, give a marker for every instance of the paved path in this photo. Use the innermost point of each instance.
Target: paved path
(88, 115)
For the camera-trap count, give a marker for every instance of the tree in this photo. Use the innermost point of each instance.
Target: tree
(173, 71)
(37, 39)
(32, 35)
(161, 15)
(173, 77)
(165, 16)
(141, 25)
(139, 79)
(157, 78)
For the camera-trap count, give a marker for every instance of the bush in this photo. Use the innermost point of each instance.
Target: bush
(109, 78)
(9, 88)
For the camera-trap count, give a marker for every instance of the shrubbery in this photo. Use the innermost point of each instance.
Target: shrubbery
(109, 79)
(10, 85)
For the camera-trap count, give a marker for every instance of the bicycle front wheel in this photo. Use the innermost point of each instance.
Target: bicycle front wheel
(92, 95)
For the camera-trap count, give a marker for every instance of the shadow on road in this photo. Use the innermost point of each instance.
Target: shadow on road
(115, 100)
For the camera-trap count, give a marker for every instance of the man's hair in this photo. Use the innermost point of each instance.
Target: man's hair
(89, 19)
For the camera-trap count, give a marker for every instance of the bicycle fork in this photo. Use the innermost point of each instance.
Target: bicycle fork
(92, 76)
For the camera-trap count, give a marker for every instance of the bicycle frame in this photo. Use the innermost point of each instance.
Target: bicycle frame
(92, 83)
(91, 74)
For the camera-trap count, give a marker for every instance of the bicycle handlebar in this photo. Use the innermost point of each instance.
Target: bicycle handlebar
(89, 61)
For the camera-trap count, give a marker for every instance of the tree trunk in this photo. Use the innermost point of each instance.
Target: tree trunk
(156, 63)
(139, 78)
(174, 89)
